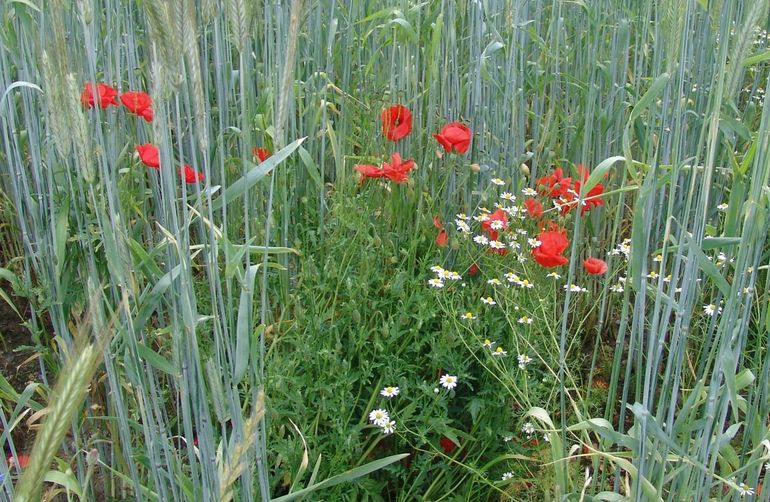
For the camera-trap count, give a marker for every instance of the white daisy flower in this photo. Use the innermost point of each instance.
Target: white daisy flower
(506, 476)
(480, 239)
(389, 392)
(496, 245)
(617, 288)
(496, 225)
(463, 227)
(468, 316)
(488, 301)
(534, 243)
(528, 192)
(508, 439)
(511, 277)
(436, 283)
(461, 216)
(487, 343)
(658, 258)
(525, 320)
(745, 490)
(494, 281)
(711, 309)
(449, 382)
(497, 181)
(453, 276)
(436, 269)
(481, 218)
(574, 288)
(722, 207)
(526, 284)
(499, 352)
(379, 417)
(508, 196)
(528, 429)
(652, 275)
(553, 275)
(523, 360)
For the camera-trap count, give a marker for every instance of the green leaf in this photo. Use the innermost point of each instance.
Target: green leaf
(255, 174)
(598, 173)
(709, 268)
(156, 360)
(655, 89)
(344, 477)
(243, 328)
(68, 481)
(311, 168)
(757, 58)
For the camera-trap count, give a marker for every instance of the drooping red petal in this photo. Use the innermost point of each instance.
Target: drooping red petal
(442, 239)
(139, 103)
(149, 154)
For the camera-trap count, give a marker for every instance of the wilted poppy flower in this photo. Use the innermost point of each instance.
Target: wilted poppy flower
(455, 136)
(595, 266)
(442, 239)
(491, 228)
(552, 244)
(138, 103)
(447, 445)
(396, 122)
(395, 170)
(105, 96)
(534, 208)
(149, 155)
(190, 175)
(261, 153)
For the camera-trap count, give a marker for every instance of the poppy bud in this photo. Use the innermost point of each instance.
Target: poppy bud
(475, 167)
(524, 168)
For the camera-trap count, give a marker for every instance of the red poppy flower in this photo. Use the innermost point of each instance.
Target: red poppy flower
(23, 461)
(149, 154)
(395, 170)
(190, 175)
(442, 239)
(555, 184)
(534, 208)
(552, 244)
(493, 233)
(106, 96)
(396, 122)
(138, 103)
(447, 445)
(261, 153)
(473, 270)
(455, 136)
(595, 266)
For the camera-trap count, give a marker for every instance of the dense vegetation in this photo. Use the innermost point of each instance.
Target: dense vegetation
(431, 251)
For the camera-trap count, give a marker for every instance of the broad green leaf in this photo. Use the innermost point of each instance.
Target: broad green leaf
(256, 173)
(156, 360)
(344, 477)
(243, 328)
(67, 481)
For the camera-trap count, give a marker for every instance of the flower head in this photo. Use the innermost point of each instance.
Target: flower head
(379, 417)
(454, 136)
(595, 266)
(499, 352)
(139, 103)
(396, 170)
(500, 221)
(261, 153)
(447, 445)
(190, 175)
(104, 97)
(506, 476)
(449, 382)
(389, 391)
(396, 122)
(552, 245)
(149, 155)
(468, 316)
(523, 360)
(534, 208)
(388, 427)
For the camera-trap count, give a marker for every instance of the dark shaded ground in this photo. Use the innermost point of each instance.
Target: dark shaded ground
(12, 366)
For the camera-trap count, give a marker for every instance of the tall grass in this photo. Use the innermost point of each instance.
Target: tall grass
(664, 84)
